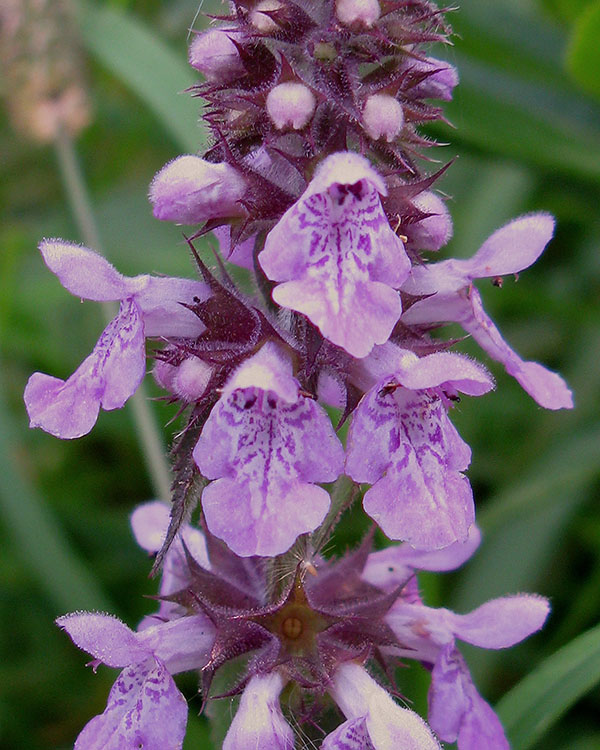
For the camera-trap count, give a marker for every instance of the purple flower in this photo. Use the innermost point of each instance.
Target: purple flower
(259, 721)
(150, 306)
(266, 445)
(456, 710)
(402, 442)
(390, 567)
(451, 296)
(144, 708)
(337, 257)
(190, 190)
(374, 720)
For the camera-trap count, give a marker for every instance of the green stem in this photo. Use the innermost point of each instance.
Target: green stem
(147, 431)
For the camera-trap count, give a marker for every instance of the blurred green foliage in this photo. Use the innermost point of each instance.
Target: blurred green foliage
(528, 138)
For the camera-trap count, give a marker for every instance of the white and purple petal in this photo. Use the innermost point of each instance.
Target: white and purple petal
(144, 710)
(336, 257)
(265, 455)
(388, 725)
(259, 721)
(403, 443)
(106, 378)
(457, 711)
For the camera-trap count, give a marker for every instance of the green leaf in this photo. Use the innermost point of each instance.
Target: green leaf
(538, 701)
(123, 45)
(583, 54)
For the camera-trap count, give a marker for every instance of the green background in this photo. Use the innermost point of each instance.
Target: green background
(526, 130)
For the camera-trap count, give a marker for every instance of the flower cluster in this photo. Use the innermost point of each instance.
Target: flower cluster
(313, 185)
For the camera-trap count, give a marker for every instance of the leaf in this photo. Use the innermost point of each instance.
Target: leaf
(124, 45)
(539, 700)
(583, 54)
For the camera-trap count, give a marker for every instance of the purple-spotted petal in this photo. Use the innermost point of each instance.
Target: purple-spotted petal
(107, 378)
(259, 721)
(88, 275)
(144, 710)
(337, 258)
(403, 443)
(270, 370)
(105, 637)
(266, 445)
(351, 735)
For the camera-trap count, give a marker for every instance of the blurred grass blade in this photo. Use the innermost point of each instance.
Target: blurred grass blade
(495, 111)
(583, 56)
(538, 701)
(522, 528)
(42, 545)
(123, 45)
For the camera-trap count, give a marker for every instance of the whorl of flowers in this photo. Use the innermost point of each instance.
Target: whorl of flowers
(314, 184)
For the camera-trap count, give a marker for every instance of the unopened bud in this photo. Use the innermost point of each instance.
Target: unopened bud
(432, 232)
(291, 105)
(439, 79)
(262, 21)
(191, 378)
(189, 190)
(363, 12)
(215, 55)
(383, 117)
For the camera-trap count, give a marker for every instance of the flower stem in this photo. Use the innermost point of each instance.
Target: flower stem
(146, 428)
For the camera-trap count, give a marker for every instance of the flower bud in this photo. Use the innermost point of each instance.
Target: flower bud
(440, 82)
(383, 117)
(215, 55)
(263, 22)
(290, 105)
(432, 232)
(364, 12)
(189, 190)
(191, 378)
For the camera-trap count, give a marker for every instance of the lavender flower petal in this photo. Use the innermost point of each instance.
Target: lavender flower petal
(144, 709)
(457, 711)
(88, 275)
(501, 623)
(107, 378)
(351, 735)
(259, 721)
(393, 566)
(266, 445)
(105, 637)
(403, 443)
(338, 258)
(388, 725)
